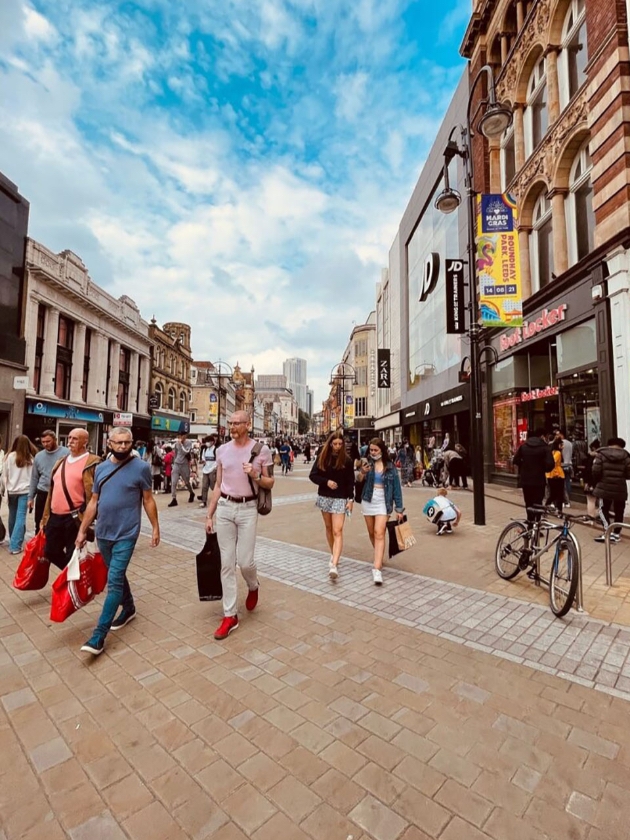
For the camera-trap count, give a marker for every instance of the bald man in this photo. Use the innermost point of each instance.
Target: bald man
(234, 500)
(70, 491)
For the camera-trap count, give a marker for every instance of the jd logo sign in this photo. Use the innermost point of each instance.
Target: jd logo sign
(430, 276)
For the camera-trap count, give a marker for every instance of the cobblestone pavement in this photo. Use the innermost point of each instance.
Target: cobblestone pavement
(323, 717)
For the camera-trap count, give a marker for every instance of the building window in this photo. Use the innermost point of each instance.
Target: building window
(39, 348)
(159, 393)
(574, 52)
(508, 158)
(171, 398)
(182, 402)
(580, 215)
(361, 347)
(536, 115)
(63, 368)
(86, 365)
(193, 416)
(541, 249)
(360, 406)
(124, 366)
(362, 375)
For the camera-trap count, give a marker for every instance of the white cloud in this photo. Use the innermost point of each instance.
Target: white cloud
(37, 26)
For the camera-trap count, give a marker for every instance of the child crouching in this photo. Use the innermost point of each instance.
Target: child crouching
(442, 512)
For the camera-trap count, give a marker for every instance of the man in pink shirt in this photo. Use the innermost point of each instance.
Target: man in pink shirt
(234, 500)
(71, 483)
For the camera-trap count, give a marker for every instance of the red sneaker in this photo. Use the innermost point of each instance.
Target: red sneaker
(229, 623)
(252, 599)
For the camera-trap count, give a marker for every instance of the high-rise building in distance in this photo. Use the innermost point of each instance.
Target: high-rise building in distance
(295, 372)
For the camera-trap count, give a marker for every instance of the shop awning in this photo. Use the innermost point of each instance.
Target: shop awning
(161, 422)
(387, 422)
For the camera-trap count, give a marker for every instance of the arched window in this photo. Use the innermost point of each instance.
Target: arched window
(508, 158)
(182, 402)
(541, 244)
(159, 393)
(171, 398)
(536, 115)
(574, 53)
(580, 213)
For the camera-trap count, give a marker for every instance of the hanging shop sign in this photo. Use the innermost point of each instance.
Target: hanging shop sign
(540, 394)
(123, 418)
(497, 261)
(65, 412)
(547, 318)
(455, 297)
(154, 402)
(384, 364)
(168, 423)
(348, 411)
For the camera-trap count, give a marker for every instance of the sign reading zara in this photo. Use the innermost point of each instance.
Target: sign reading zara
(384, 367)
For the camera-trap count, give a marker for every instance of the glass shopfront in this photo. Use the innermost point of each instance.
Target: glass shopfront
(550, 383)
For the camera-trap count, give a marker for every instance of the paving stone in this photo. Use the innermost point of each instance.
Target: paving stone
(103, 827)
(378, 820)
(50, 754)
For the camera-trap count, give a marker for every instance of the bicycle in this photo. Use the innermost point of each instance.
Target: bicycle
(520, 548)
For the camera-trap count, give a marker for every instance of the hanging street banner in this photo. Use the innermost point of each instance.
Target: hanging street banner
(455, 309)
(384, 366)
(213, 413)
(348, 412)
(498, 262)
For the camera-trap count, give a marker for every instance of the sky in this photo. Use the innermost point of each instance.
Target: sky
(239, 165)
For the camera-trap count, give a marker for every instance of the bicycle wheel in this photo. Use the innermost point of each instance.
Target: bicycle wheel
(563, 580)
(509, 549)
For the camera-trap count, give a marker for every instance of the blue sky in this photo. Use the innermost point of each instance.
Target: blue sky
(241, 165)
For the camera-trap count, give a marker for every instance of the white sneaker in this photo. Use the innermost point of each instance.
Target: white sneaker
(377, 577)
(333, 574)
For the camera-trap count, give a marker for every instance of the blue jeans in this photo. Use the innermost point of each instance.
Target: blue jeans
(18, 503)
(116, 554)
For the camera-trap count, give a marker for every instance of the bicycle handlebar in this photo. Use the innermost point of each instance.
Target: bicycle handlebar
(568, 517)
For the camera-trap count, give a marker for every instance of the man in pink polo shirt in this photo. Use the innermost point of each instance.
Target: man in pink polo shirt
(71, 483)
(235, 502)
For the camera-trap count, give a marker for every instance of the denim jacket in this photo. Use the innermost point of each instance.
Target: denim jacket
(393, 490)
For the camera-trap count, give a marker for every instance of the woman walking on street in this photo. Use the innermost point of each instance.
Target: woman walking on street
(407, 459)
(381, 494)
(333, 473)
(16, 480)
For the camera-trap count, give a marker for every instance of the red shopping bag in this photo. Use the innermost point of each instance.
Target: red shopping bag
(84, 577)
(32, 573)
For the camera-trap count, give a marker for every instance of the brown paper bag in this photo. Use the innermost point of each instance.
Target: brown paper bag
(404, 536)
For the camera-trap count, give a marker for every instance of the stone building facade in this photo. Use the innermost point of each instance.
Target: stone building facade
(14, 210)
(563, 67)
(87, 353)
(170, 379)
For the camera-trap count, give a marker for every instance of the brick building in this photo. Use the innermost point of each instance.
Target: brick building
(563, 67)
(170, 378)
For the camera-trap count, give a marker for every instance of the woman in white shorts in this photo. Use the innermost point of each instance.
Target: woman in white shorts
(380, 495)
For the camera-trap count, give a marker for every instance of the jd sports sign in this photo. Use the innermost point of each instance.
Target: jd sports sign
(430, 276)
(455, 297)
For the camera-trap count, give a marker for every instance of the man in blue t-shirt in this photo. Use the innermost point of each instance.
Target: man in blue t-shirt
(122, 487)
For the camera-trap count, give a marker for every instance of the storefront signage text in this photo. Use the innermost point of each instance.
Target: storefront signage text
(452, 401)
(123, 418)
(539, 393)
(372, 372)
(384, 367)
(548, 318)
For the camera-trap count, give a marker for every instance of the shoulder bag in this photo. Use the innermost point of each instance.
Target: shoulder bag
(263, 496)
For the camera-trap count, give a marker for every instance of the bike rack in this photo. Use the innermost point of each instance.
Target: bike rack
(607, 533)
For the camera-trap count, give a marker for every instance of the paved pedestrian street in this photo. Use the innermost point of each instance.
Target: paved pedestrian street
(446, 704)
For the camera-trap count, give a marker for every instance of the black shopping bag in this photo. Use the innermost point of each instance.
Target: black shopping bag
(392, 538)
(209, 570)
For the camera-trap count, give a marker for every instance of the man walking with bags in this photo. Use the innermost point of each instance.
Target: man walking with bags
(71, 481)
(122, 487)
(181, 469)
(234, 499)
(611, 472)
(534, 460)
(43, 464)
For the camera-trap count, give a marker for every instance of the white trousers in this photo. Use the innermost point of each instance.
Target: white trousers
(235, 524)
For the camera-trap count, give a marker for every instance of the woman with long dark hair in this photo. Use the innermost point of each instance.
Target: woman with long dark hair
(16, 480)
(333, 473)
(381, 494)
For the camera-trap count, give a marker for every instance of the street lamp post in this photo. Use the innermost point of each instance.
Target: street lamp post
(495, 119)
(339, 374)
(219, 372)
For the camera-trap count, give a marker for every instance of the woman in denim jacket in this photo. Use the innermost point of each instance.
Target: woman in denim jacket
(381, 494)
